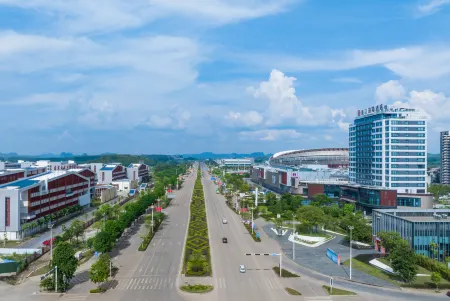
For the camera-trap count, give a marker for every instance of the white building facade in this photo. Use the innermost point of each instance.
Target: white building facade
(388, 149)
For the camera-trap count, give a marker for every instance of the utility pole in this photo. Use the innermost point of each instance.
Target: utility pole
(293, 237)
(351, 228)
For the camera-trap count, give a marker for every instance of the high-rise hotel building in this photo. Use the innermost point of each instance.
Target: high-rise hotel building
(445, 157)
(388, 149)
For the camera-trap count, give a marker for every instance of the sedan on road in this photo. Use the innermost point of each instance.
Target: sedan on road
(242, 268)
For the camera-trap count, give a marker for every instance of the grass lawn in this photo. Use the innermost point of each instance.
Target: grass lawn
(41, 270)
(292, 291)
(284, 273)
(337, 291)
(9, 244)
(361, 263)
(318, 234)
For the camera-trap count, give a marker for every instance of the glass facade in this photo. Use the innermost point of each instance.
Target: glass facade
(421, 228)
(385, 141)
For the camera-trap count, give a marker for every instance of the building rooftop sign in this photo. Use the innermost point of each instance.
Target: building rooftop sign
(382, 108)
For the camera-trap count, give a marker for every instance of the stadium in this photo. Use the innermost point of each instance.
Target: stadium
(330, 157)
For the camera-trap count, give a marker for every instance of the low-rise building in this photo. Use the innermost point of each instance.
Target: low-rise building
(139, 172)
(422, 228)
(105, 192)
(110, 173)
(124, 185)
(11, 175)
(54, 166)
(28, 199)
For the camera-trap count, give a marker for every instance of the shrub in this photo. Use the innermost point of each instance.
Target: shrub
(433, 266)
(97, 290)
(284, 273)
(198, 288)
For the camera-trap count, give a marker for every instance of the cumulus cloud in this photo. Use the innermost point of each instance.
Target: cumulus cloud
(390, 91)
(435, 105)
(176, 119)
(281, 106)
(270, 135)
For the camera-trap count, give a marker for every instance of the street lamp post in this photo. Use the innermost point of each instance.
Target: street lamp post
(50, 225)
(152, 217)
(252, 217)
(351, 228)
(293, 237)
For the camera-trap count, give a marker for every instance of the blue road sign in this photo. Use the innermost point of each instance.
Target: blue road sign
(254, 226)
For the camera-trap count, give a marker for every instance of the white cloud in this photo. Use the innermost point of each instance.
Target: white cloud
(248, 119)
(270, 135)
(347, 80)
(283, 108)
(85, 16)
(431, 7)
(435, 105)
(390, 91)
(176, 119)
(415, 62)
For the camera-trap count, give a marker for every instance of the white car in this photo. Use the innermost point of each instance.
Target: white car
(224, 221)
(242, 268)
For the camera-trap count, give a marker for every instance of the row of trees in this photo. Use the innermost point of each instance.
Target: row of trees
(51, 217)
(112, 222)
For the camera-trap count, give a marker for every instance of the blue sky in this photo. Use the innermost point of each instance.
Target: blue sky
(162, 76)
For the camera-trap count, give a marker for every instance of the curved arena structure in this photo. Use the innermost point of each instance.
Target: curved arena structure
(332, 157)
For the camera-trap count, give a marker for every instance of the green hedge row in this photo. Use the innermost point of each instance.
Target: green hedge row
(433, 266)
(148, 238)
(253, 235)
(197, 259)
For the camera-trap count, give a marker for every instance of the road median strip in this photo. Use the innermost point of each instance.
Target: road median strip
(197, 257)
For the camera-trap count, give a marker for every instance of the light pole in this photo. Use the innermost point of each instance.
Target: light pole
(252, 217)
(152, 217)
(50, 225)
(351, 228)
(293, 237)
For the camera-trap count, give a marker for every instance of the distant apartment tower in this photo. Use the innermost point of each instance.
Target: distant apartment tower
(445, 157)
(388, 149)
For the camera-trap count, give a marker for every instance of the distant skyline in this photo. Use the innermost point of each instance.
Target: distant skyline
(173, 77)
